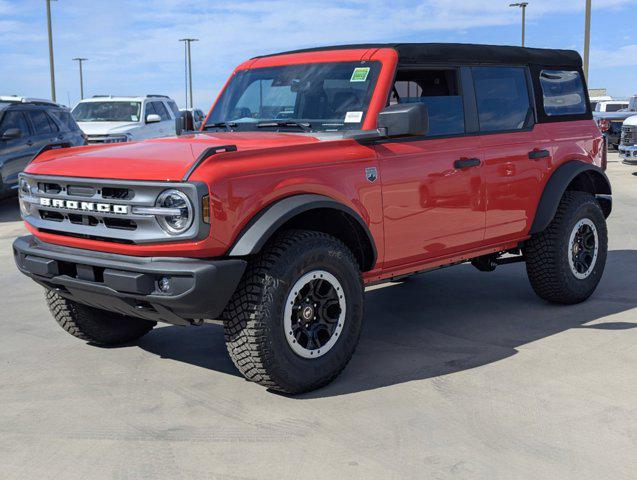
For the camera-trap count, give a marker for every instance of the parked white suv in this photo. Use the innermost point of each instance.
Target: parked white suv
(110, 119)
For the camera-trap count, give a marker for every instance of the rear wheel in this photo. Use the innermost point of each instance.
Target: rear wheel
(566, 261)
(95, 325)
(295, 319)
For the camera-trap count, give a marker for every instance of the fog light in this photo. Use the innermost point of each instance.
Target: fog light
(164, 284)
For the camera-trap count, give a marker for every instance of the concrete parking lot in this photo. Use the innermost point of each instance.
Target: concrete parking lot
(459, 374)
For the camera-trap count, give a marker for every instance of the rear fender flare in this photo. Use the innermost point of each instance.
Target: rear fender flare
(558, 183)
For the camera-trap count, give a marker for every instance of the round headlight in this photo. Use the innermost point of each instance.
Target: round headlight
(174, 199)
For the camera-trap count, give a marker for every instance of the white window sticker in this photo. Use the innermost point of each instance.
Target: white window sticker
(359, 74)
(353, 117)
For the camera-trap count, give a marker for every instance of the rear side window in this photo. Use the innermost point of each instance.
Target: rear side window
(563, 92)
(439, 90)
(41, 122)
(502, 97)
(14, 119)
(65, 120)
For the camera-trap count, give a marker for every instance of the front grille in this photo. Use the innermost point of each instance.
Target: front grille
(629, 135)
(102, 209)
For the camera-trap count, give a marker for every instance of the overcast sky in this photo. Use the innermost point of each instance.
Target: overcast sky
(133, 49)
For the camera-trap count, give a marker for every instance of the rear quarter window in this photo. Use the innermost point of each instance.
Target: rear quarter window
(65, 120)
(563, 92)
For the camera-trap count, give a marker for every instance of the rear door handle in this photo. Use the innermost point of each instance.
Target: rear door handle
(466, 163)
(29, 143)
(537, 154)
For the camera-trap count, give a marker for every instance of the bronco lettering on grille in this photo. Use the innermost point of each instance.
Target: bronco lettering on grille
(84, 206)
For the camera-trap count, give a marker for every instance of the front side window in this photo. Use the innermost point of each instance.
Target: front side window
(502, 98)
(14, 119)
(563, 92)
(439, 90)
(325, 96)
(107, 112)
(161, 110)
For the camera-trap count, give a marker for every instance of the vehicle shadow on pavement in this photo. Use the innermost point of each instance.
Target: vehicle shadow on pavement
(9, 210)
(436, 324)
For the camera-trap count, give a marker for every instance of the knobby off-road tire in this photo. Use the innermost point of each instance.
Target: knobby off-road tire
(263, 344)
(578, 220)
(93, 325)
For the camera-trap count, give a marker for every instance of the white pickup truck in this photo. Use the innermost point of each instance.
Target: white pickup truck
(628, 141)
(110, 119)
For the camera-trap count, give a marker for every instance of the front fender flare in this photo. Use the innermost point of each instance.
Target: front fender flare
(557, 185)
(261, 228)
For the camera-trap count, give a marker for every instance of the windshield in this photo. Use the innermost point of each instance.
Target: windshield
(319, 96)
(107, 112)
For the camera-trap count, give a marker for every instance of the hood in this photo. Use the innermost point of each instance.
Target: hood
(105, 128)
(162, 159)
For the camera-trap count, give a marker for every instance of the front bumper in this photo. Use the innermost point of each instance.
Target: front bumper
(129, 285)
(628, 154)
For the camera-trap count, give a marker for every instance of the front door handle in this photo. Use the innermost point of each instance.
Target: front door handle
(537, 154)
(466, 163)
(29, 143)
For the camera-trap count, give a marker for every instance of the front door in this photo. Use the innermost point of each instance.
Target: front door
(433, 191)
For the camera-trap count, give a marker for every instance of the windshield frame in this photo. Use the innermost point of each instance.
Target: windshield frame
(91, 120)
(228, 95)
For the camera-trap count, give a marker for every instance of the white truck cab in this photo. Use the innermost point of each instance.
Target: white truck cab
(110, 119)
(611, 105)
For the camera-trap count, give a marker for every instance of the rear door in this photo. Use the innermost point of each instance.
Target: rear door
(516, 151)
(433, 192)
(15, 153)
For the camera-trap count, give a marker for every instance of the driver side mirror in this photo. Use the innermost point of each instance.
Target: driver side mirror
(11, 134)
(153, 118)
(403, 119)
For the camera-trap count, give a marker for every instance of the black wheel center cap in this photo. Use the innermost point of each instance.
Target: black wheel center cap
(307, 313)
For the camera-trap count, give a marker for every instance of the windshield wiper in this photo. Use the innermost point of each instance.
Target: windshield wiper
(227, 125)
(305, 126)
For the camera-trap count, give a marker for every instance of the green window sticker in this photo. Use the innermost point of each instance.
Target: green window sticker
(359, 74)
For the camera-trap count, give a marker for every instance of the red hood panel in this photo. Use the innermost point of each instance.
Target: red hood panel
(163, 159)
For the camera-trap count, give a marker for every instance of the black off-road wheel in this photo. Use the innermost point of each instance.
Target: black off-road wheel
(94, 325)
(295, 319)
(566, 261)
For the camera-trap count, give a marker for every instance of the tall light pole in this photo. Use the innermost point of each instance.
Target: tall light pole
(51, 66)
(587, 37)
(523, 6)
(79, 60)
(187, 42)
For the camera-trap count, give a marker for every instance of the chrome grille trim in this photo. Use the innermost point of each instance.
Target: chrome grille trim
(140, 208)
(629, 135)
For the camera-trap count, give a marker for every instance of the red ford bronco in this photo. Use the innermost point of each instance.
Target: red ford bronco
(318, 172)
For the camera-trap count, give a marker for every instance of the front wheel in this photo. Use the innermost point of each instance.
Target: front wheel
(566, 261)
(295, 319)
(94, 325)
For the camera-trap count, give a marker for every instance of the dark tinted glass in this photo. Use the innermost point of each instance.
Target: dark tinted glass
(65, 120)
(502, 98)
(438, 89)
(161, 110)
(563, 92)
(41, 123)
(615, 107)
(14, 119)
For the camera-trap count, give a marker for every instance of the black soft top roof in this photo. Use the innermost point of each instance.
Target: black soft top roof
(465, 53)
